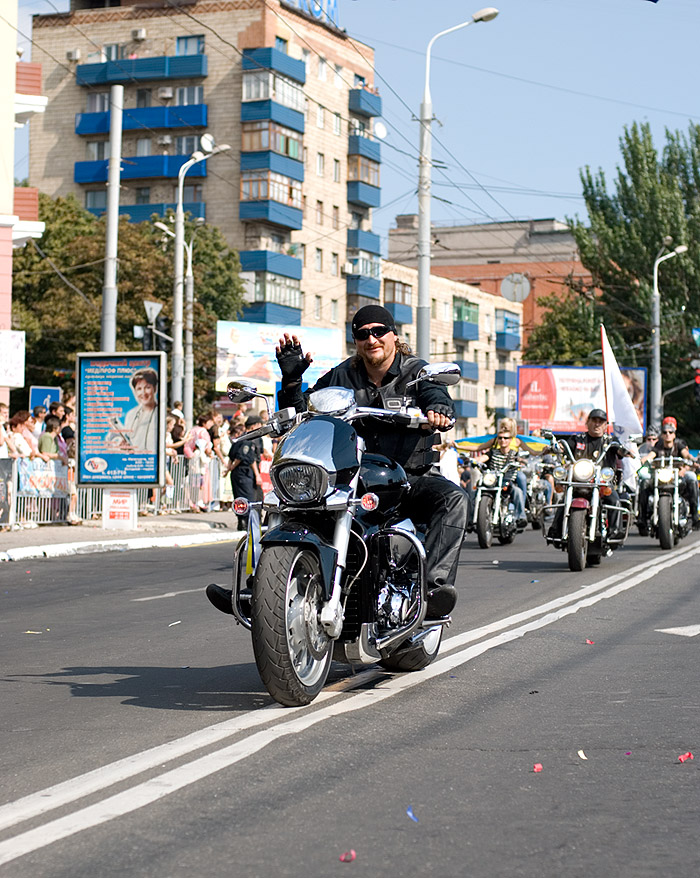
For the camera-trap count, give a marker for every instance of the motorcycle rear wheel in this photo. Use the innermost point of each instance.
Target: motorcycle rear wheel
(484, 527)
(665, 522)
(415, 658)
(292, 651)
(577, 540)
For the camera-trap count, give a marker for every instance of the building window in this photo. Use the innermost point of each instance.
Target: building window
(486, 398)
(263, 85)
(191, 192)
(337, 123)
(336, 217)
(338, 78)
(277, 289)
(317, 307)
(191, 45)
(97, 150)
(365, 264)
(319, 259)
(305, 56)
(464, 311)
(263, 185)
(320, 164)
(433, 347)
(257, 136)
(487, 360)
(143, 195)
(336, 170)
(506, 321)
(282, 45)
(302, 252)
(98, 102)
(356, 220)
(322, 65)
(143, 97)
(398, 292)
(186, 145)
(96, 199)
(143, 146)
(335, 264)
(358, 127)
(320, 116)
(111, 52)
(319, 213)
(363, 169)
(334, 310)
(188, 95)
(359, 81)
(433, 309)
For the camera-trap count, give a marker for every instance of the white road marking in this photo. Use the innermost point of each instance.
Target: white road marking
(688, 631)
(167, 594)
(158, 787)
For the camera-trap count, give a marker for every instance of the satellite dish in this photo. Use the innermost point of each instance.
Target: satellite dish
(380, 130)
(206, 141)
(515, 287)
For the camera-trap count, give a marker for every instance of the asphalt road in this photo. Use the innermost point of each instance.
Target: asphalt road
(136, 738)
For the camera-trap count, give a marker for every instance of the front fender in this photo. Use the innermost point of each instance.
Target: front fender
(295, 533)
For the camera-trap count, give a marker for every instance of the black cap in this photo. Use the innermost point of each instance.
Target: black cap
(253, 420)
(373, 314)
(597, 413)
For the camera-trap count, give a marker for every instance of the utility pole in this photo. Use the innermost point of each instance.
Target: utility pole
(108, 341)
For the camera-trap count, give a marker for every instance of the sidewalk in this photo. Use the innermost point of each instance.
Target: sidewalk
(55, 540)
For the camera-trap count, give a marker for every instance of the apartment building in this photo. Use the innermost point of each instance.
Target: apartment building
(277, 80)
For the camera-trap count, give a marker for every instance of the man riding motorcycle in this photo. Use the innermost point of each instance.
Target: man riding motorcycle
(378, 373)
(502, 457)
(671, 446)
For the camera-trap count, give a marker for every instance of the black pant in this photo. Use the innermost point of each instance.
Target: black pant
(443, 506)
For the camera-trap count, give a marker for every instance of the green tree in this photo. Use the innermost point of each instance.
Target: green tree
(57, 291)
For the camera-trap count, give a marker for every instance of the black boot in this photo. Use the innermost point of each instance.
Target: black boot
(441, 601)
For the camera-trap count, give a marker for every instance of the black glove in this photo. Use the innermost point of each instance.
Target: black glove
(441, 409)
(292, 363)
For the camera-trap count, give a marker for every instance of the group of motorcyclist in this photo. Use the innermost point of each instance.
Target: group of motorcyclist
(379, 373)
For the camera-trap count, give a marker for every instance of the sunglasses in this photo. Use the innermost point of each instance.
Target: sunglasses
(669, 432)
(376, 331)
(504, 437)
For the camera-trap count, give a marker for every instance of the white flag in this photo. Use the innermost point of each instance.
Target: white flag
(621, 411)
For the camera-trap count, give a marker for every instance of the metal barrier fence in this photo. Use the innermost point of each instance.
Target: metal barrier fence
(39, 492)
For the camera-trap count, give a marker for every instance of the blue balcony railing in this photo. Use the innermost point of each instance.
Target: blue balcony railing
(140, 213)
(364, 103)
(147, 118)
(258, 111)
(271, 212)
(142, 69)
(271, 312)
(268, 260)
(363, 146)
(506, 378)
(363, 194)
(401, 313)
(273, 161)
(463, 330)
(469, 370)
(272, 59)
(507, 341)
(137, 168)
(465, 408)
(358, 239)
(360, 285)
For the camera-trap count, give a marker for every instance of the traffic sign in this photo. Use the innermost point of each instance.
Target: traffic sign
(43, 396)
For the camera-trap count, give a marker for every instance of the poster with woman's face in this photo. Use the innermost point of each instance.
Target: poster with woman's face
(121, 415)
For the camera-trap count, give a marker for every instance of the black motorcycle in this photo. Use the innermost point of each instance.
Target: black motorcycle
(338, 572)
(493, 513)
(668, 516)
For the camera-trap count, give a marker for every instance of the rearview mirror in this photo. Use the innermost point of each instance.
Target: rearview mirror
(239, 392)
(440, 373)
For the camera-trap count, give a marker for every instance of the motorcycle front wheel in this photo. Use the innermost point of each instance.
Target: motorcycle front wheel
(292, 651)
(665, 522)
(418, 656)
(484, 527)
(577, 540)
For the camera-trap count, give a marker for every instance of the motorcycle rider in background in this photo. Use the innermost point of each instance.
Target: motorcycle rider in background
(670, 445)
(501, 456)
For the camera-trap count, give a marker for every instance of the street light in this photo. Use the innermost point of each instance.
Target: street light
(657, 408)
(208, 150)
(424, 171)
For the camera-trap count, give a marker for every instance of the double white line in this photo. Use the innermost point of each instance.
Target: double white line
(280, 722)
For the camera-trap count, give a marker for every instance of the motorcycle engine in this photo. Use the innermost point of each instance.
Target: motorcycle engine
(397, 574)
(395, 605)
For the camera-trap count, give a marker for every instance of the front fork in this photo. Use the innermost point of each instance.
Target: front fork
(332, 610)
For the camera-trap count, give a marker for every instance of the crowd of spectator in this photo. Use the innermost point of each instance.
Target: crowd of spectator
(40, 433)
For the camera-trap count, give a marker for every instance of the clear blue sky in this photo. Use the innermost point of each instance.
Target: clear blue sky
(523, 101)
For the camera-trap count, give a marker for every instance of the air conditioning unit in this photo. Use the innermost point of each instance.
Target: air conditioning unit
(138, 34)
(348, 268)
(164, 140)
(165, 93)
(73, 54)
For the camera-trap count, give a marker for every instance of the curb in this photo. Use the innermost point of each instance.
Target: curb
(60, 550)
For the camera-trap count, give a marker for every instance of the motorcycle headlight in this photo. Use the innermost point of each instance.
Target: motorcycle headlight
(559, 473)
(583, 470)
(665, 474)
(300, 482)
(489, 480)
(607, 474)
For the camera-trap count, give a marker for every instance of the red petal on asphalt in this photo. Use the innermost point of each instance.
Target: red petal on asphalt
(629, 753)
(347, 857)
(590, 642)
(537, 766)
(685, 756)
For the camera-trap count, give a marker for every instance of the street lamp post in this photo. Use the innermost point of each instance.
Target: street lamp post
(657, 408)
(424, 181)
(208, 151)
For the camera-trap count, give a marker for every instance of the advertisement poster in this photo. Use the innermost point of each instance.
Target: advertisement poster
(558, 398)
(121, 419)
(11, 358)
(246, 352)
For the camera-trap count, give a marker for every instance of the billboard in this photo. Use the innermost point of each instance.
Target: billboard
(559, 398)
(246, 352)
(12, 344)
(121, 401)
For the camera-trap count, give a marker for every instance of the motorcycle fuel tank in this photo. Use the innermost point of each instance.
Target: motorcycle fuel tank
(385, 478)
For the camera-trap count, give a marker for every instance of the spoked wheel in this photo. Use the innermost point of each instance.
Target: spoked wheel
(484, 527)
(577, 540)
(665, 522)
(292, 650)
(420, 651)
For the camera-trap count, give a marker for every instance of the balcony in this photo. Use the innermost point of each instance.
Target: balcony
(463, 330)
(401, 313)
(273, 59)
(141, 213)
(507, 341)
(465, 408)
(142, 70)
(364, 103)
(137, 168)
(28, 97)
(258, 111)
(271, 212)
(506, 378)
(268, 260)
(269, 312)
(361, 240)
(273, 161)
(357, 284)
(192, 116)
(469, 370)
(370, 149)
(363, 194)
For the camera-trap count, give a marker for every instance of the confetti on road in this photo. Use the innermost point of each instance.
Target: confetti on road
(628, 753)
(537, 767)
(684, 757)
(28, 571)
(582, 754)
(179, 622)
(534, 691)
(33, 632)
(495, 561)
(347, 857)
(534, 580)
(410, 813)
(590, 642)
